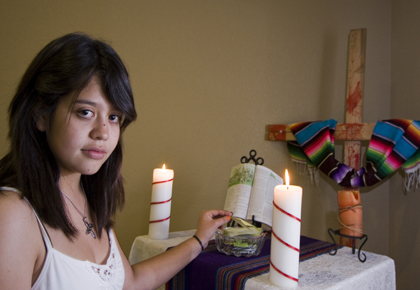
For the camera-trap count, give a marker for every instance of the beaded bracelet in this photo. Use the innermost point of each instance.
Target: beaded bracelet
(198, 240)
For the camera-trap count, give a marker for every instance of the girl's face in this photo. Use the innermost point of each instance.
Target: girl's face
(83, 134)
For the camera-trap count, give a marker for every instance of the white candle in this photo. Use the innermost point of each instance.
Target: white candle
(285, 236)
(160, 208)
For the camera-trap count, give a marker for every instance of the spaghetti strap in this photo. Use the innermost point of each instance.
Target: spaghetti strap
(44, 233)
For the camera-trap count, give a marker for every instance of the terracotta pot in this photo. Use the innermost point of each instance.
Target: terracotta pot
(350, 213)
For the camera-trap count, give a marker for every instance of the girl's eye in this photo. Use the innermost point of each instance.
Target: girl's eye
(86, 113)
(115, 118)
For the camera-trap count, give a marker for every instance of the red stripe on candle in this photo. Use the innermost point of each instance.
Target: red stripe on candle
(285, 212)
(162, 181)
(284, 274)
(158, 221)
(283, 242)
(159, 202)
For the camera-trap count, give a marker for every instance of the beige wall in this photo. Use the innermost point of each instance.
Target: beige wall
(208, 76)
(404, 238)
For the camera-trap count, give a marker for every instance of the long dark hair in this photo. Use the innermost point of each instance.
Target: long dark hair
(65, 66)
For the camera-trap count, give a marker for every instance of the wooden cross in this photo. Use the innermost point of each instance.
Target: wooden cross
(353, 131)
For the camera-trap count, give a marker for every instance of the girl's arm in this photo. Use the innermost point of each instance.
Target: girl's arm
(155, 272)
(22, 251)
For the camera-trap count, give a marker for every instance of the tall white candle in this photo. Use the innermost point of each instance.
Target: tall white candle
(285, 239)
(160, 208)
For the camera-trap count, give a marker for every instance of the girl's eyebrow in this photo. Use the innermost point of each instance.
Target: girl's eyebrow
(85, 102)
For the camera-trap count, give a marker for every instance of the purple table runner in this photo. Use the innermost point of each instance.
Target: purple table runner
(214, 270)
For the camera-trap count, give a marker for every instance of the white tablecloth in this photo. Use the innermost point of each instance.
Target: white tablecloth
(342, 271)
(144, 247)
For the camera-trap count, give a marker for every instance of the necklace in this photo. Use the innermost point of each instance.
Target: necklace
(89, 226)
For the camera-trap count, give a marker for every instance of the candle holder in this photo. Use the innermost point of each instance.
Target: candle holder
(353, 247)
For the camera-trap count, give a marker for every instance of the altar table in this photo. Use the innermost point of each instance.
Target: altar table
(341, 271)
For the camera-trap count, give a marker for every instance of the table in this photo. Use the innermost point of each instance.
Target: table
(342, 271)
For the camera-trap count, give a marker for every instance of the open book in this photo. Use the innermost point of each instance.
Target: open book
(251, 191)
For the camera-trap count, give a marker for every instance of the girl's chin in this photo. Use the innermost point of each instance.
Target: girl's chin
(90, 171)
(87, 169)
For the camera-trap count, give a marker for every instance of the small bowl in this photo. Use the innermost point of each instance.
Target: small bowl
(239, 246)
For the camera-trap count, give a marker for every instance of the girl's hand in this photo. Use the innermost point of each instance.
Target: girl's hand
(208, 223)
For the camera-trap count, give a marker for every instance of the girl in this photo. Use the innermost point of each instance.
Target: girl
(61, 183)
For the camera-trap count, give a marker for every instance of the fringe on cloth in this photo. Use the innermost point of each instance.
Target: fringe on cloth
(412, 179)
(308, 172)
(412, 172)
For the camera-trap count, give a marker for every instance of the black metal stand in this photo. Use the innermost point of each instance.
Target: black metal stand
(252, 154)
(337, 232)
(255, 223)
(257, 161)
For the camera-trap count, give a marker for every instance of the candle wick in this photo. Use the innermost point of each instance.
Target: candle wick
(287, 187)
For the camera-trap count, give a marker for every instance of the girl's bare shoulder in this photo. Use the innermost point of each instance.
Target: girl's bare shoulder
(13, 208)
(21, 244)
(16, 216)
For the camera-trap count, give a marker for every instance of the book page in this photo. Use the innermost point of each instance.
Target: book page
(240, 184)
(262, 193)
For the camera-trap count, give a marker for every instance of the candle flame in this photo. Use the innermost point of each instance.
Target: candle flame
(287, 178)
(163, 167)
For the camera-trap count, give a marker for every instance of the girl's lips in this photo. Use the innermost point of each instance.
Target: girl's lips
(94, 153)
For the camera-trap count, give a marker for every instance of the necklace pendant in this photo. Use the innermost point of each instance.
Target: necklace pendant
(89, 228)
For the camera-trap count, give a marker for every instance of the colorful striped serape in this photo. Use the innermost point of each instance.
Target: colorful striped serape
(217, 271)
(394, 143)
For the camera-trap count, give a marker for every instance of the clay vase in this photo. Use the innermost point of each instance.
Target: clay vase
(350, 212)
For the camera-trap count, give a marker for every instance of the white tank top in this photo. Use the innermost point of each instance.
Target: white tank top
(62, 272)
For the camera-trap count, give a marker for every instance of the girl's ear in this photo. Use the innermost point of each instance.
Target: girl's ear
(41, 121)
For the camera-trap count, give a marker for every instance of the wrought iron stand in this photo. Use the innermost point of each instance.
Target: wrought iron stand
(337, 232)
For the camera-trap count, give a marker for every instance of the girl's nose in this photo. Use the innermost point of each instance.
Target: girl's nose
(100, 131)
